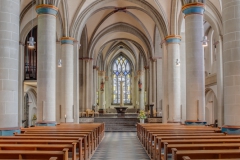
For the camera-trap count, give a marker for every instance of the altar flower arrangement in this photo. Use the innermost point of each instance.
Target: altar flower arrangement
(34, 118)
(142, 115)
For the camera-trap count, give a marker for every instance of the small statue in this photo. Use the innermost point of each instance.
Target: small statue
(102, 86)
(140, 85)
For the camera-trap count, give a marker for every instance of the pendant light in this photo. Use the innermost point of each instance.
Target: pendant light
(31, 41)
(205, 41)
(59, 63)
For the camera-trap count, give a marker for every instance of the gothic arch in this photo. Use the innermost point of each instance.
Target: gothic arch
(121, 27)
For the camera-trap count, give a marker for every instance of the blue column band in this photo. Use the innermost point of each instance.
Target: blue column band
(47, 9)
(67, 40)
(231, 129)
(195, 123)
(9, 131)
(173, 39)
(46, 124)
(193, 8)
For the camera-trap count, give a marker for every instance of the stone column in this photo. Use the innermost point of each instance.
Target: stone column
(195, 78)
(141, 82)
(9, 47)
(67, 79)
(231, 65)
(101, 92)
(174, 94)
(165, 113)
(94, 85)
(89, 82)
(136, 92)
(220, 81)
(46, 74)
(108, 91)
(154, 83)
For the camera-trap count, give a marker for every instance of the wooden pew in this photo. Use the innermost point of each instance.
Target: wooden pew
(41, 147)
(86, 137)
(188, 158)
(19, 154)
(47, 140)
(155, 138)
(205, 154)
(216, 146)
(37, 143)
(88, 134)
(151, 140)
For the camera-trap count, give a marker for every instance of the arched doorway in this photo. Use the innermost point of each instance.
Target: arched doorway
(211, 109)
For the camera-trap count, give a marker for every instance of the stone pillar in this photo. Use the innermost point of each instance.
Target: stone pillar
(220, 82)
(46, 74)
(136, 91)
(89, 82)
(165, 113)
(67, 79)
(195, 78)
(101, 92)
(9, 47)
(154, 84)
(141, 88)
(231, 65)
(183, 77)
(174, 93)
(94, 85)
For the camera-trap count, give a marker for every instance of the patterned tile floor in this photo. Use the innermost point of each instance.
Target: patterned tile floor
(120, 146)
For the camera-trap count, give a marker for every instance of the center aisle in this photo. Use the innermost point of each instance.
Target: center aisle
(120, 146)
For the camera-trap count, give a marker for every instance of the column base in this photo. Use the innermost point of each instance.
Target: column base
(9, 131)
(173, 121)
(67, 120)
(195, 123)
(231, 129)
(46, 123)
(86, 120)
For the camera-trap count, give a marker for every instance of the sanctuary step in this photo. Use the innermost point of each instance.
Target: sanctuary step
(117, 124)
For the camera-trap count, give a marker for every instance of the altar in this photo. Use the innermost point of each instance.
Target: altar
(121, 111)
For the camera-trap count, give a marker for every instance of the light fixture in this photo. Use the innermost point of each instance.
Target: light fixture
(177, 62)
(59, 63)
(205, 41)
(31, 39)
(31, 43)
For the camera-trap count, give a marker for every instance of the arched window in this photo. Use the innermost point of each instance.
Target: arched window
(121, 72)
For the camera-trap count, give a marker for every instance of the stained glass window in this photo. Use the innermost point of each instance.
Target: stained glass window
(121, 72)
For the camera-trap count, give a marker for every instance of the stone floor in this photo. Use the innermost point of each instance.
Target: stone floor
(120, 146)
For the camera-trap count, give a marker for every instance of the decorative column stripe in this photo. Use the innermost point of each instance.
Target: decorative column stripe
(47, 9)
(173, 39)
(193, 8)
(67, 40)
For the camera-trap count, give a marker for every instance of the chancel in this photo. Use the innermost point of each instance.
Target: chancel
(119, 79)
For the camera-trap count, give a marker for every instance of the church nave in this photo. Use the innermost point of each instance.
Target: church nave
(120, 146)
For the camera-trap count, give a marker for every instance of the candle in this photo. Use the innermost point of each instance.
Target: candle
(65, 116)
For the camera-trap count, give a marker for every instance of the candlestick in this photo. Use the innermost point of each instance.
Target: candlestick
(65, 118)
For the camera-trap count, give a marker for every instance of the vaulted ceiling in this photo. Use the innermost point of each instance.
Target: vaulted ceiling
(136, 25)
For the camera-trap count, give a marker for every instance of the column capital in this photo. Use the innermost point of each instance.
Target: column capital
(193, 8)
(175, 39)
(146, 67)
(67, 40)
(46, 9)
(101, 73)
(106, 78)
(86, 59)
(140, 72)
